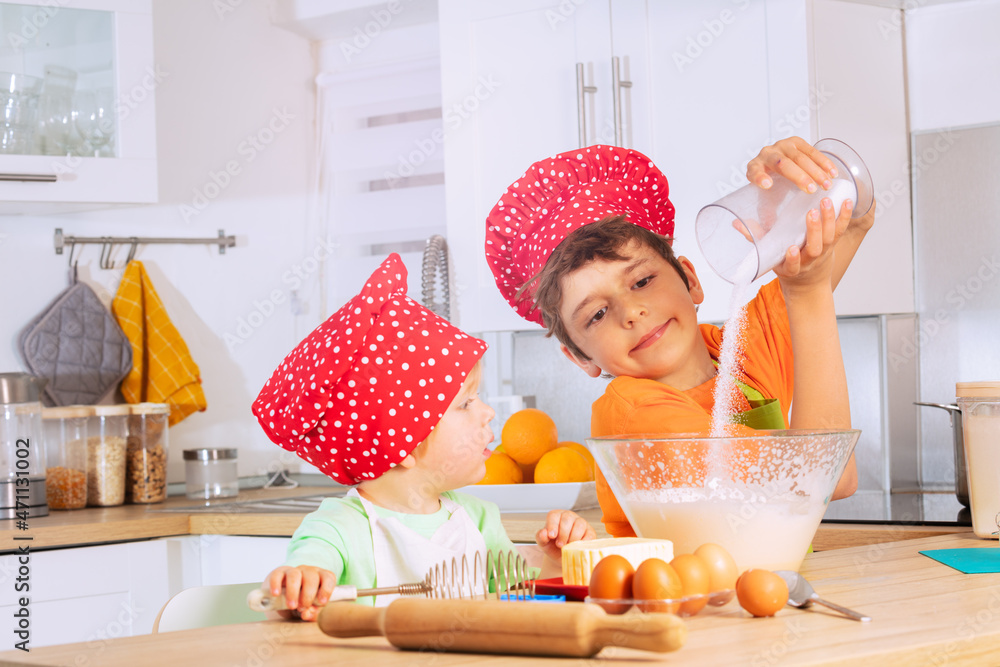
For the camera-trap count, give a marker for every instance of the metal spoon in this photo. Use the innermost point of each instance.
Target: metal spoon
(801, 594)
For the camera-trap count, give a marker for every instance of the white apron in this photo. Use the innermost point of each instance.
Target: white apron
(404, 556)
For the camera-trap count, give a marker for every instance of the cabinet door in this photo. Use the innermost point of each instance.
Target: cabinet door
(709, 103)
(863, 93)
(239, 559)
(89, 113)
(510, 98)
(90, 594)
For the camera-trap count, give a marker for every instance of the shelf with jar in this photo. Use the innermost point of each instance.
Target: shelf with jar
(77, 105)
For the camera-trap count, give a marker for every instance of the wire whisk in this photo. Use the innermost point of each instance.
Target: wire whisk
(493, 575)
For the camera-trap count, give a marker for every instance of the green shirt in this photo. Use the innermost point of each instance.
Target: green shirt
(337, 536)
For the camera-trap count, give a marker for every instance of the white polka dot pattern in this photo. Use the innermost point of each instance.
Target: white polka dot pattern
(560, 194)
(369, 384)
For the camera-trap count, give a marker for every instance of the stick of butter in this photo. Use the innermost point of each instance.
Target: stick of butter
(580, 558)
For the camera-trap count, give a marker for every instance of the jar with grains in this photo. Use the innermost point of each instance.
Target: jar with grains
(146, 453)
(65, 434)
(106, 433)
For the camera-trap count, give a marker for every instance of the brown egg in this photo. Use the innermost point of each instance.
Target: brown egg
(761, 592)
(722, 569)
(695, 580)
(611, 579)
(655, 580)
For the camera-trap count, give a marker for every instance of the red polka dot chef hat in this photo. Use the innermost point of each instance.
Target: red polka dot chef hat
(369, 384)
(560, 194)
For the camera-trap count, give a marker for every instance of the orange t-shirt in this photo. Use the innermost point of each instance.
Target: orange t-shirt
(632, 406)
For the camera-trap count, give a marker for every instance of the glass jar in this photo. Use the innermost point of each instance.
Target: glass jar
(146, 453)
(22, 451)
(106, 432)
(211, 473)
(980, 404)
(65, 430)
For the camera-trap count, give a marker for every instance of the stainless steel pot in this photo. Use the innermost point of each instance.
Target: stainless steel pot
(961, 470)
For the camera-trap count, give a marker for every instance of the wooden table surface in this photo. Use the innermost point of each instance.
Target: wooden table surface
(101, 525)
(924, 613)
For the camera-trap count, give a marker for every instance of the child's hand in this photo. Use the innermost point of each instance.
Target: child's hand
(561, 528)
(813, 262)
(306, 589)
(797, 161)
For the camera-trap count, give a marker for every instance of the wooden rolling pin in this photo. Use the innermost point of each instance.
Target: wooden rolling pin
(487, 626)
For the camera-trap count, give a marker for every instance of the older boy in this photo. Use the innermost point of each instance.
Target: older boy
(581, 243)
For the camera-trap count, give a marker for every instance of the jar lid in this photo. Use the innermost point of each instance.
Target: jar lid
(20, 388)
(111, 410)
(209, 454)
(150, 409)
(67, 412)
(977, 389)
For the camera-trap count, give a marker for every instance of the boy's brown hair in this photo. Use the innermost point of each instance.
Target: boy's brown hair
(600, 240)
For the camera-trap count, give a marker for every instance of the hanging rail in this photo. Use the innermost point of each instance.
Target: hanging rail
(62, 241)
(108, 242)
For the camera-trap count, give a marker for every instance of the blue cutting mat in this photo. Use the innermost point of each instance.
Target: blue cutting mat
(969, 561)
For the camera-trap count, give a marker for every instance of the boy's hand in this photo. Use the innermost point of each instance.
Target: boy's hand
(306, 589)
(561, 528)
(813, 263)
(795, 159)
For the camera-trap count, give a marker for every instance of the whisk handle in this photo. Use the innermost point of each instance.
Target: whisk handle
(260, 599)
(352, 620)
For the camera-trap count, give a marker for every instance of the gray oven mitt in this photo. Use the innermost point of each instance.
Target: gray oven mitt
(78, 346)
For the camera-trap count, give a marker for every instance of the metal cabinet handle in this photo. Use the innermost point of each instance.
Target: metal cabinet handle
(616, 85)
(43, 178)
(581, 104)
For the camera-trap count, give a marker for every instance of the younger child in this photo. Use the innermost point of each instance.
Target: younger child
(384, 396)
(581, 243)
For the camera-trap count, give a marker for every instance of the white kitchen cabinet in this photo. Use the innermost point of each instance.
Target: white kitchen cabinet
(510, 97)
(711, 83)
(100, 50)
(238, 559)
(90, 594)
(862, 100)
(700, 99)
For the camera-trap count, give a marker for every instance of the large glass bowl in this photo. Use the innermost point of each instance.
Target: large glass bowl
(760, 496)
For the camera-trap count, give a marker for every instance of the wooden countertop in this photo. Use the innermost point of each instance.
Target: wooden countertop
(923, 613)
(96, 525)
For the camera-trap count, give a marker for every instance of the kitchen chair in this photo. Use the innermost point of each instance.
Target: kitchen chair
(205, 606)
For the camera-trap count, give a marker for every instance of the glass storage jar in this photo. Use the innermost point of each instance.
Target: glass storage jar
(211, 473)
(146, 453)
(106, 433)
(65, 430)
(22, 450)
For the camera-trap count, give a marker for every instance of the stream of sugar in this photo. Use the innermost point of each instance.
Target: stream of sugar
(732, 342)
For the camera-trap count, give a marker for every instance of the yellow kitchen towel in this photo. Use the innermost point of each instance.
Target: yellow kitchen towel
(162, 368)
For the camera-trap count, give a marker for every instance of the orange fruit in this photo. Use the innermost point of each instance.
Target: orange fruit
(579, 448)
(563, 464)
(527, 434)
(501, 469)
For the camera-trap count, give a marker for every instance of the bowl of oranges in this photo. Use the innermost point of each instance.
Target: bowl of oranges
(532, 470)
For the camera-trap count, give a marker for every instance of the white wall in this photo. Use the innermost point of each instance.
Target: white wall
(227, 76)
(953, 61)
